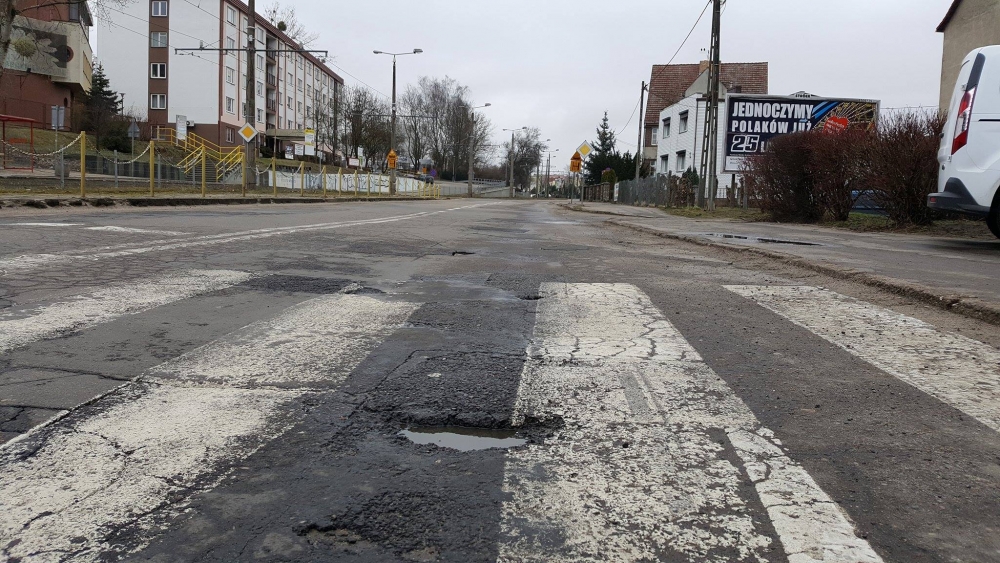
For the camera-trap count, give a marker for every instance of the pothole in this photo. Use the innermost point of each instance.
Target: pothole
(530, 297)
(462, 253)
(462, 438)
(761, 239)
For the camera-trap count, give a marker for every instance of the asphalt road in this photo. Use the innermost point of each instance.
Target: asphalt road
(472, 381)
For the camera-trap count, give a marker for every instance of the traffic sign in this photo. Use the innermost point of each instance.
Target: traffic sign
(392, 159)
(585, 149)
(248, 132)
(133, 130)
(576, 162)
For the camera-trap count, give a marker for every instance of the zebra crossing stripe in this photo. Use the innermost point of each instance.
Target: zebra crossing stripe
(651, 455)
(952, 368)
(127, 465)
(21, 327)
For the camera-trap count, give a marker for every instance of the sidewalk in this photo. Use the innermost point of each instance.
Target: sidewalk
(955, 273)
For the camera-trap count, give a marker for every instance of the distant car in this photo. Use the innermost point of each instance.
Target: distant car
(970, 144)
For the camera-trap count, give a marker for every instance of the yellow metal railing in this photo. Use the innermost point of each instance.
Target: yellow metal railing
(198, 148)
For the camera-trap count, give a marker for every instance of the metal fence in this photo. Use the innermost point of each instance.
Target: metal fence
(672, 191)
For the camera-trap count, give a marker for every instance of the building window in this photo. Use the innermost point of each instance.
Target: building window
(665, 164)
(230, 75)
(260, 63)
(300, 85)
(299, 108)
(290, 101)
(666, 128)
(231, 15)
(230, 105)
(682, 161)
(654, 137)
(291, 80)
(158, 70)
(260, 115)
(158, 39)
(230, 43)
(260, 88)
(158, 101)
(682, 127)
(290, 124)
(159, 8)
(230, 135)
(309, 110)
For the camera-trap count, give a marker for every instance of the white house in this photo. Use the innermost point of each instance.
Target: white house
(679, 136)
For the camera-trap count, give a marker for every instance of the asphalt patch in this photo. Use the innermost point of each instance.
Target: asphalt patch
(296, 284)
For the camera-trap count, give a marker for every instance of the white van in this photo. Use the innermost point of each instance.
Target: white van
(970, 145)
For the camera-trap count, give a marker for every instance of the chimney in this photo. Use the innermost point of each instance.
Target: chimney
(703, 66)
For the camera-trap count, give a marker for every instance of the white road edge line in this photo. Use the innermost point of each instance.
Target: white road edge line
(640, 468)
(23, 326)
(133, 460)
(955, 369)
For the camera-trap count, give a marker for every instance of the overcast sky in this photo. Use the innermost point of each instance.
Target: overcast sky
(559, 64)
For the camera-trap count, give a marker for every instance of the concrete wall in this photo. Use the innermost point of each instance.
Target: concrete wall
(975, 24)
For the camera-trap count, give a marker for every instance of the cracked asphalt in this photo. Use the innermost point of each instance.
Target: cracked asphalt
(230, 384)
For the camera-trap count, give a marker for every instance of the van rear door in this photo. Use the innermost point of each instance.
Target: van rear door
(984, 131)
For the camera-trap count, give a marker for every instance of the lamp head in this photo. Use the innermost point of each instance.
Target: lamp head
(487, 105)
(377, 52)
(417, 51)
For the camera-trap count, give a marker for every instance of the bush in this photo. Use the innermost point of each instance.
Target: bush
(781, 179)
(838, 171)
(116, 138)
(902, 168)
(609, 177)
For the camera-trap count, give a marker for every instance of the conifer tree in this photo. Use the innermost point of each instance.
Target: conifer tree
(101, 103)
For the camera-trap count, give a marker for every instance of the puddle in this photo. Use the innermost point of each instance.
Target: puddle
(761, 239)
(461, 438)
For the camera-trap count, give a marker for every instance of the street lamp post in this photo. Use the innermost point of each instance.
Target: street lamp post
(472, 143)
(392, 134)
(511, 160)
(548, 171)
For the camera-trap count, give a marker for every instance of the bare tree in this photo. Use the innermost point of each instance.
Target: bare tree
(366, 125)
(283, 17)
(438, 124)
(14, 15)
(527, 154)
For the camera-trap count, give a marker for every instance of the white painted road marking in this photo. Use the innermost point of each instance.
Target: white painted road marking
(639, 470)
(20, 327)
(955, 369)
(134, 464)
(113, 229)
(40, 224)
(31, 261)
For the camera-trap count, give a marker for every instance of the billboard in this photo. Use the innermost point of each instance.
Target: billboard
(753, 120)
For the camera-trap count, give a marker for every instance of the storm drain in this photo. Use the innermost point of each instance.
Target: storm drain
(463, 439)
(760, 239)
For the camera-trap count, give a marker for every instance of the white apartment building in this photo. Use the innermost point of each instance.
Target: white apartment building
(209, 88)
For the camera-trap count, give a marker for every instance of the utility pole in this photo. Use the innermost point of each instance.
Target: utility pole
(392, 136)
(548, 173)
(639, 151)
(512, 164)
(710, 144)
(472, 148)
(250, 162)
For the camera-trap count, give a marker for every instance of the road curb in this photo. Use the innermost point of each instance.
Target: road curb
(47, 202)
(966, 306)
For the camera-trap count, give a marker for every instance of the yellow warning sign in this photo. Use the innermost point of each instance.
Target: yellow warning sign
(575, 163)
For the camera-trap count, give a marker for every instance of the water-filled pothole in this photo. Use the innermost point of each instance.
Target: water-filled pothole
(762, 239)
(462, 253)
(462, 438)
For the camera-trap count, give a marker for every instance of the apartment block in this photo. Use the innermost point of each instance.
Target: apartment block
(209, 88)
(53, 66)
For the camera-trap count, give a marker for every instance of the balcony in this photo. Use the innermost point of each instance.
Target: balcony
(272, 106)
(272, 55)
(272, 81)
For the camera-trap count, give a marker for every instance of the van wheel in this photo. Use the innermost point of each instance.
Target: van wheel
(993, 220)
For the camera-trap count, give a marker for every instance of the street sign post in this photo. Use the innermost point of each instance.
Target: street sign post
(310, 141)
(392, 159)
(576, 163)
(181, 124)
